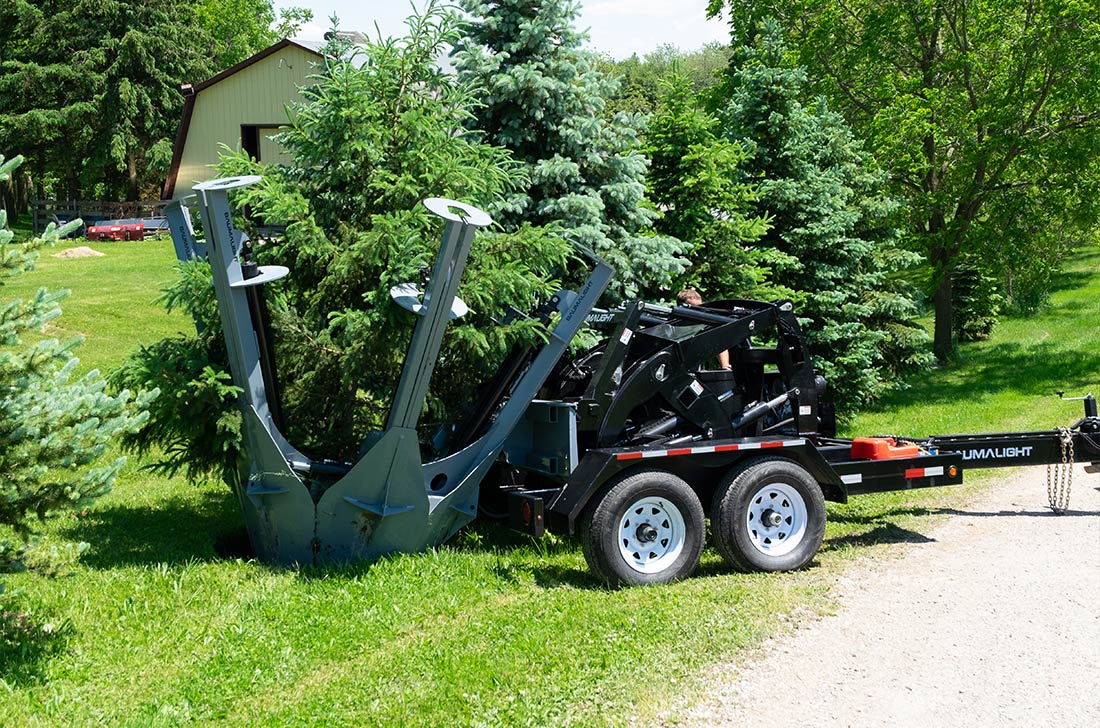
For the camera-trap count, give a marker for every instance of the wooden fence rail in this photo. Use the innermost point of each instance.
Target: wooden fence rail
(46, 211)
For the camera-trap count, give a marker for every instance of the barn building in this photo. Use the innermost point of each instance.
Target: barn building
(241, 107)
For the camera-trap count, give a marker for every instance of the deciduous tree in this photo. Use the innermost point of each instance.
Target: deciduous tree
(239, 28)
(640, 78)
(970, 104)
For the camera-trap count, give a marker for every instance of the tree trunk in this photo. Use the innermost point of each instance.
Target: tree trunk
(132, 189)
(39, 187)
(72, 185)
(7, 202)
(15, 196)
(943, 340)
(22, 193)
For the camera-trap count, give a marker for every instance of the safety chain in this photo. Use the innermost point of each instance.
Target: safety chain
(1060, 477)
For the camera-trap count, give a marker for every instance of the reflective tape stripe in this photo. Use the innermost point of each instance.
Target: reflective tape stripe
(851, 479)
(923, 472)
(706, 449)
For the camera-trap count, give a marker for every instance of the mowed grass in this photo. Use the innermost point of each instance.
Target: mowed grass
(112, 304)
(1010, 381)
(160, 625)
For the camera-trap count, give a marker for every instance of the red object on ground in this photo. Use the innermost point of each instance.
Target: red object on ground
(107, 231)
(881, 448)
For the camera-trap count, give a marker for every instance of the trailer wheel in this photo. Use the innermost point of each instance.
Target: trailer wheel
(768, 515)
(648, 527)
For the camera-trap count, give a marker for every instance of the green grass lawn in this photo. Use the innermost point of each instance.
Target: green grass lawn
(161, 625)
(112, 303)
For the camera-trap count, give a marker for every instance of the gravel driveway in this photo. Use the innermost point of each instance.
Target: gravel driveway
(994, 621)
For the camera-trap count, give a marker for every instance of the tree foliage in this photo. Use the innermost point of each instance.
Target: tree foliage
(977, 107)
(379, 131)
(54, 429)
(90, 90)
(543, 98)
(641, 78)
(239, 28)
(831, 220)
(696, 179)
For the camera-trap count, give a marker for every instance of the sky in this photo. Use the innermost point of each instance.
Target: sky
(617, 28)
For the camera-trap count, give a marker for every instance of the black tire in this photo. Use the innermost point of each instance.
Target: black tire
(768, 515)
(646, 527)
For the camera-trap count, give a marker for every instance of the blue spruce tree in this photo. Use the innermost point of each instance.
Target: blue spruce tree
(544, 99)
(54, 428)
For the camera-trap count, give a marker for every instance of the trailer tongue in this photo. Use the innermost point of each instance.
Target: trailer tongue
(624, 443)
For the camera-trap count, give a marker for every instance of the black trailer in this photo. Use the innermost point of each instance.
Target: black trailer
(628, 444)
(637, 442)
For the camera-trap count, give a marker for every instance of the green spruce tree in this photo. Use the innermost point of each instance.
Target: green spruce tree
(54, 429)
(378, 132)
(697, 180)
(833, 220)
(543, 98)
(90, 90)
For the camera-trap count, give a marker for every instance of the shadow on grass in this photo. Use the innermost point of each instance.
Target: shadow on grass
(176, 531)
(27, 644)
(551, 576)
(881, 534)
(1045, 513)
(520, 557)
(490, 536)
(1073, 280)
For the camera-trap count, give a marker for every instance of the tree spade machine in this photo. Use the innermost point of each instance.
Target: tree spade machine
(631, 444)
